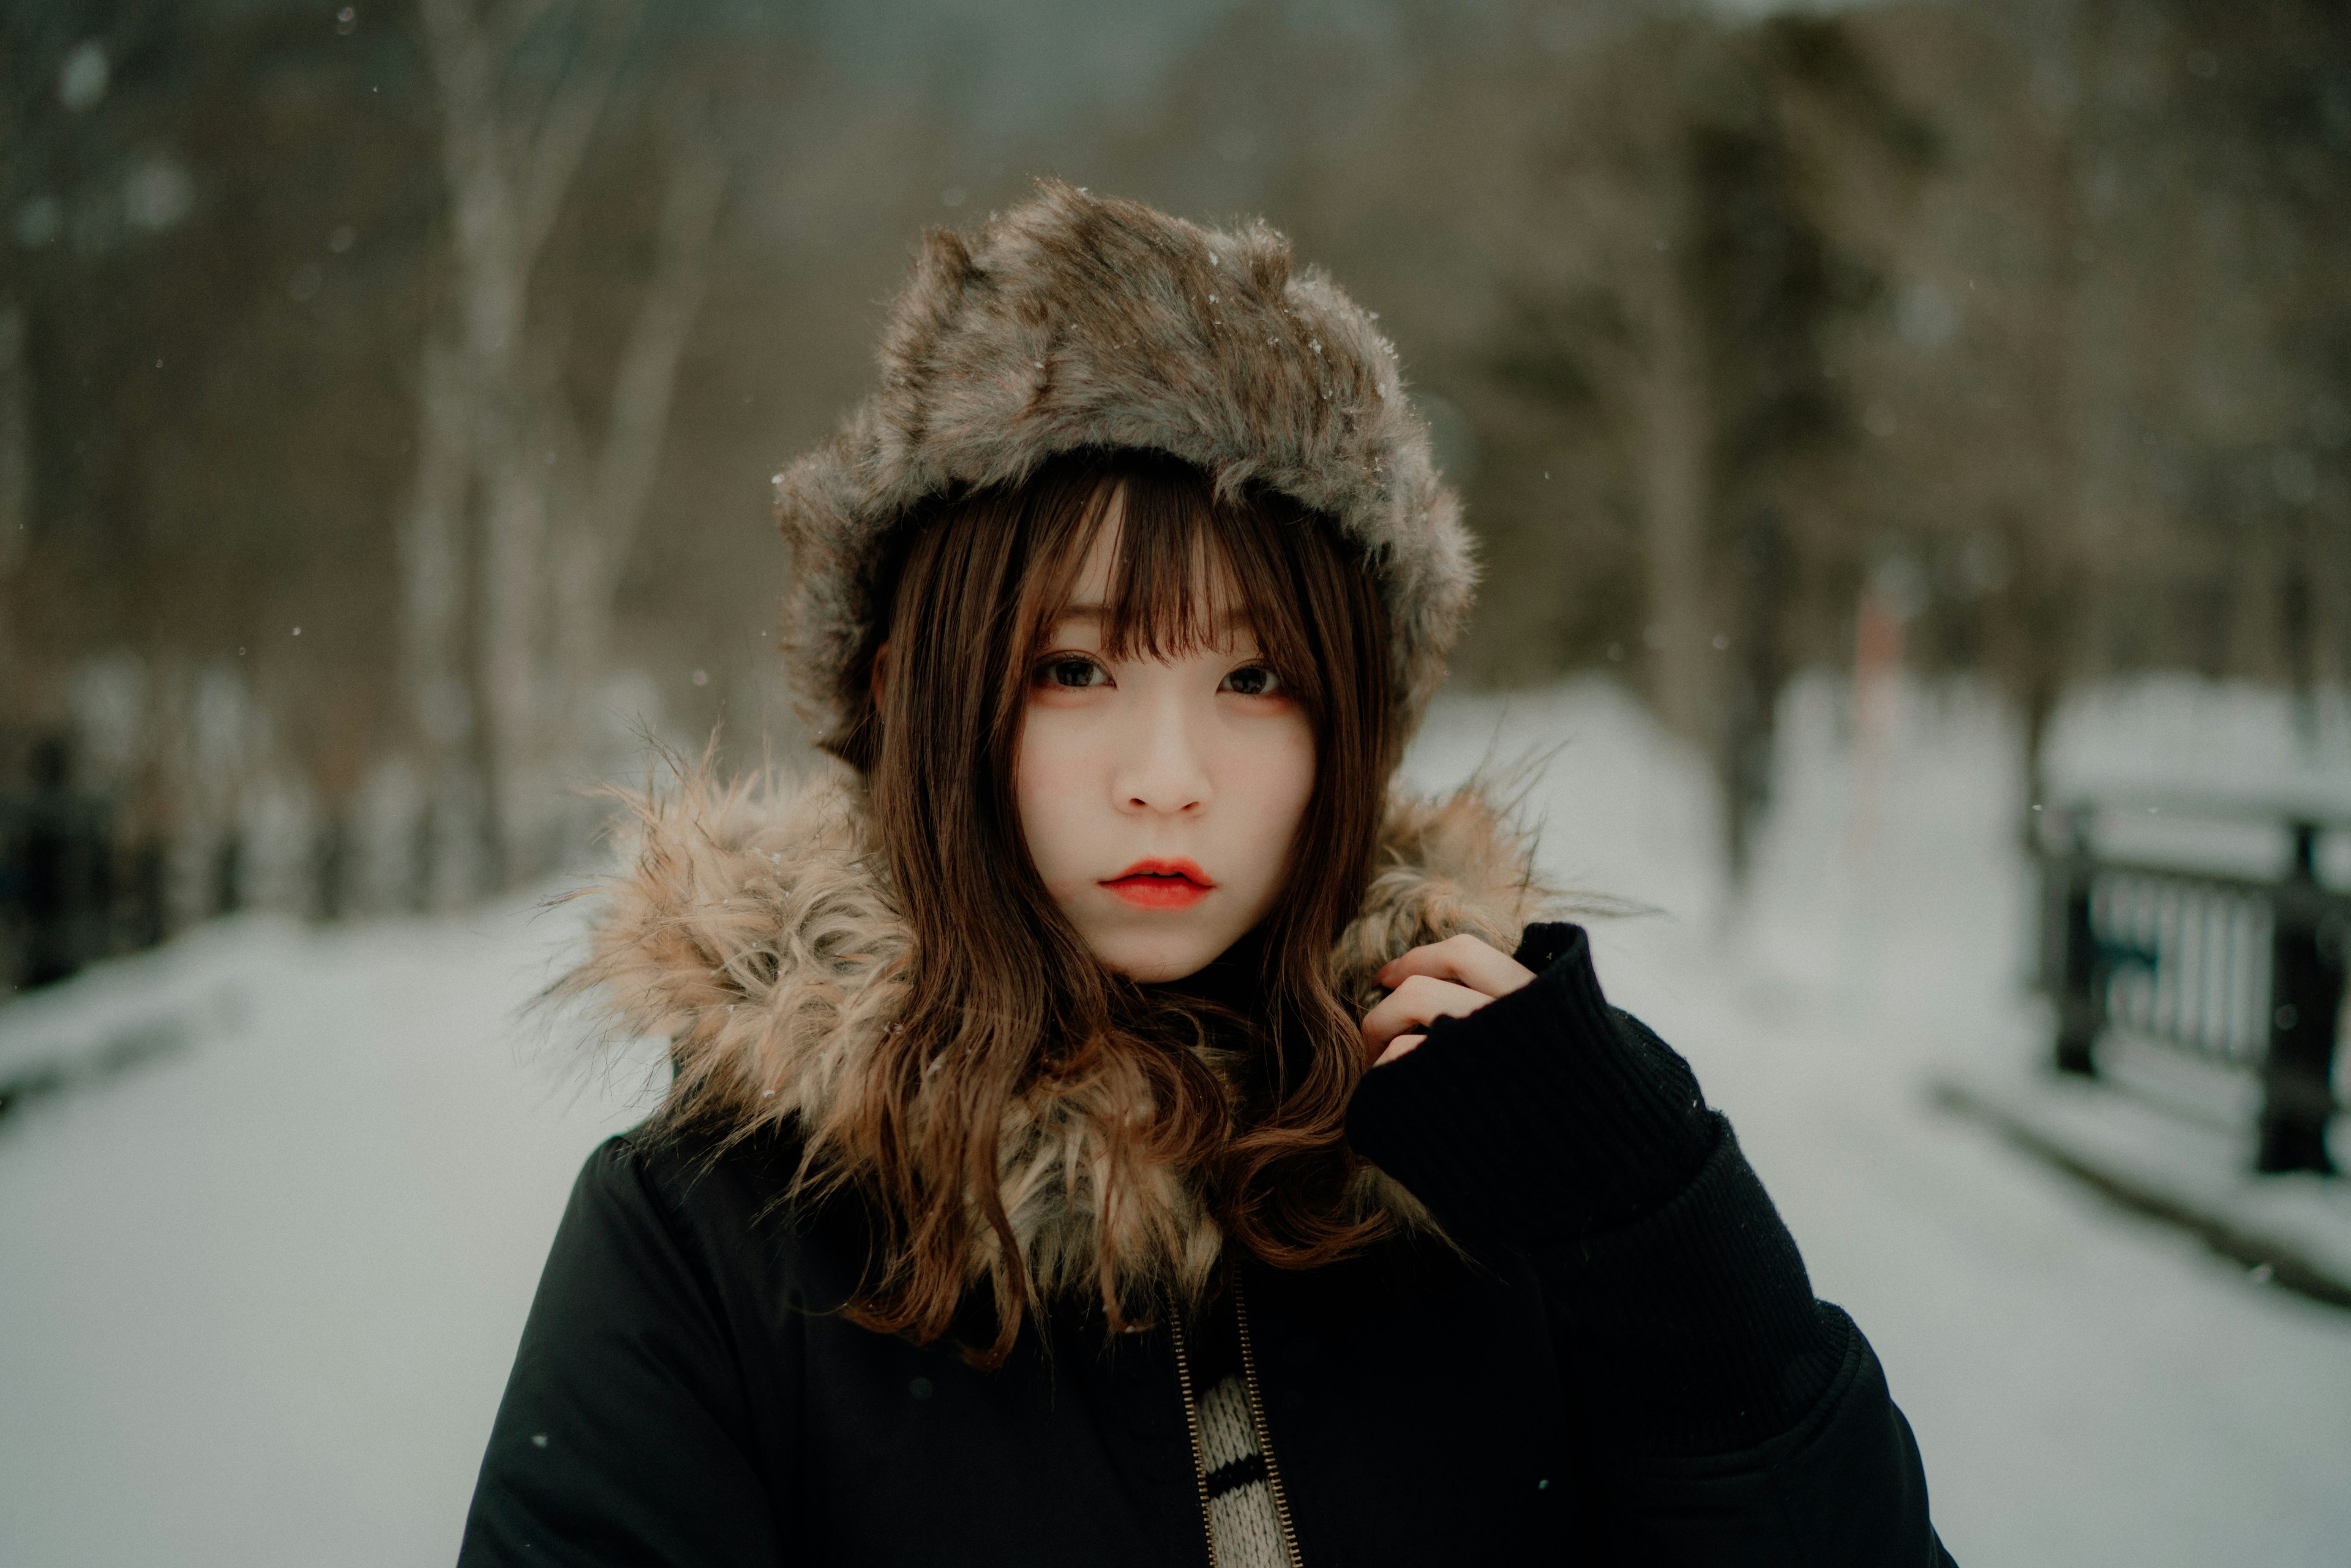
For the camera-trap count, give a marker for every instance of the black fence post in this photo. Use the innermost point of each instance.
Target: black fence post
(2079, 989)
(2305, 1000)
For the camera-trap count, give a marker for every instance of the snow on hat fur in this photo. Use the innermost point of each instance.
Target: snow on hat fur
(1073, 322)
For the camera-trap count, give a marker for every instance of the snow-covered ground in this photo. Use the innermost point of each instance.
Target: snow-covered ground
(258, 1296)
(258, 1292)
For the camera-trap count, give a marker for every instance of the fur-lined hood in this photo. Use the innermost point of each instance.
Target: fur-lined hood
(752, 930)
(1073, 320)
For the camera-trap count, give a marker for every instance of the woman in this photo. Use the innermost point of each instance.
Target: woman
(1110, 1125)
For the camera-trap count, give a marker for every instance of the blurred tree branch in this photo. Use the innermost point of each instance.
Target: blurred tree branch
(515, 506)
(607, 512)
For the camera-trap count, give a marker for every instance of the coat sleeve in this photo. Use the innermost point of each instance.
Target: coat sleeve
(624, 1436)
(1730, 1418)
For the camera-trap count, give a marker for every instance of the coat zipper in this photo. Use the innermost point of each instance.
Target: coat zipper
(1257, 1421)
(1191, 1424)
(1264, 1433)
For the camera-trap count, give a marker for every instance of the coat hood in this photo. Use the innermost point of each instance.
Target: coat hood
(753, 930)
(1075, 321)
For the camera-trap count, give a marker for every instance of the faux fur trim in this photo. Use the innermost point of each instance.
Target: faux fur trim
(1073, 322)
(753, 930)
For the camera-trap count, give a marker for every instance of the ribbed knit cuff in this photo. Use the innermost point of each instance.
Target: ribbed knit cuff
(1546, 1116)
(1565, 1130)
(1694, 1330)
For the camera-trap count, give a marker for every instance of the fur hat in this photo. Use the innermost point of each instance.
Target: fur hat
(1074, 321)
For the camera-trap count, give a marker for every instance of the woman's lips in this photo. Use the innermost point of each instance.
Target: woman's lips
(1161, 884)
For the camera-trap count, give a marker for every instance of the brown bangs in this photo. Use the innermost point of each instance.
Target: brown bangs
(1190, 566)
(1015, 1024)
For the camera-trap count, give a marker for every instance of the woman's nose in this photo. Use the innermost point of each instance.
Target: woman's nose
(1163, 769)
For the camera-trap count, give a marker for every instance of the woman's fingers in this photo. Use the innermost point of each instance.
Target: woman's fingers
(1451, 979)
(1417, 1001)
(1463, 959)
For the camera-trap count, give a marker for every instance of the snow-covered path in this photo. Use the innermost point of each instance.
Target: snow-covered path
(257, 1296)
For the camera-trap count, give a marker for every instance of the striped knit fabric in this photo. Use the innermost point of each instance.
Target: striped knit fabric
(1240, 1503)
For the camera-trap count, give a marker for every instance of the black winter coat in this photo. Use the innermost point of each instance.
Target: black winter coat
(1628, 1367)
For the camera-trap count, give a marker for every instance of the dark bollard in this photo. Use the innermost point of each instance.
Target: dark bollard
(423, 841)
(61, 879)
(228, 873)
(330, 868)
(2305, 1000)
(2079, 989)
(146, 912)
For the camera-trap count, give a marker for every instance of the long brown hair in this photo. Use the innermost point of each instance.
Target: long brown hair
(1011, 1010)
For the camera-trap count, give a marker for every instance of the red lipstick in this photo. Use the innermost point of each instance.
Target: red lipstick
(1162, 885)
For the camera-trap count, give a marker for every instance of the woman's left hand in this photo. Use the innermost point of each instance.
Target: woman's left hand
(1451, 979)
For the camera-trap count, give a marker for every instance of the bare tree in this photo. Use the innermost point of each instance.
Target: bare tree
(519, 516)
(606, 500)
(1691, 277)
(15, 466)
(16, 434)
(1675, 396)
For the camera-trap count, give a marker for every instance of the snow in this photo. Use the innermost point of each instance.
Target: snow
(261, 1293)
(262, 1286)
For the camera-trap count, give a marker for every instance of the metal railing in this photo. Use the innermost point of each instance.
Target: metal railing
(2243, 971)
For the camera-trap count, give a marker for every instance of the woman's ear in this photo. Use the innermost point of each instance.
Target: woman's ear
(879, 684)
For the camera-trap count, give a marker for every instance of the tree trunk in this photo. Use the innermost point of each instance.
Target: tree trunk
(15, 437)
(1756, 679)
(483, 506)
(1677, 440)
(591, 554)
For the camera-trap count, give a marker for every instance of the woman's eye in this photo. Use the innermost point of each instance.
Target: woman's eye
(1072, 673)
(1252, 681)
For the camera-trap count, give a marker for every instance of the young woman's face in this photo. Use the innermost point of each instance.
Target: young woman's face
(1160, 796)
